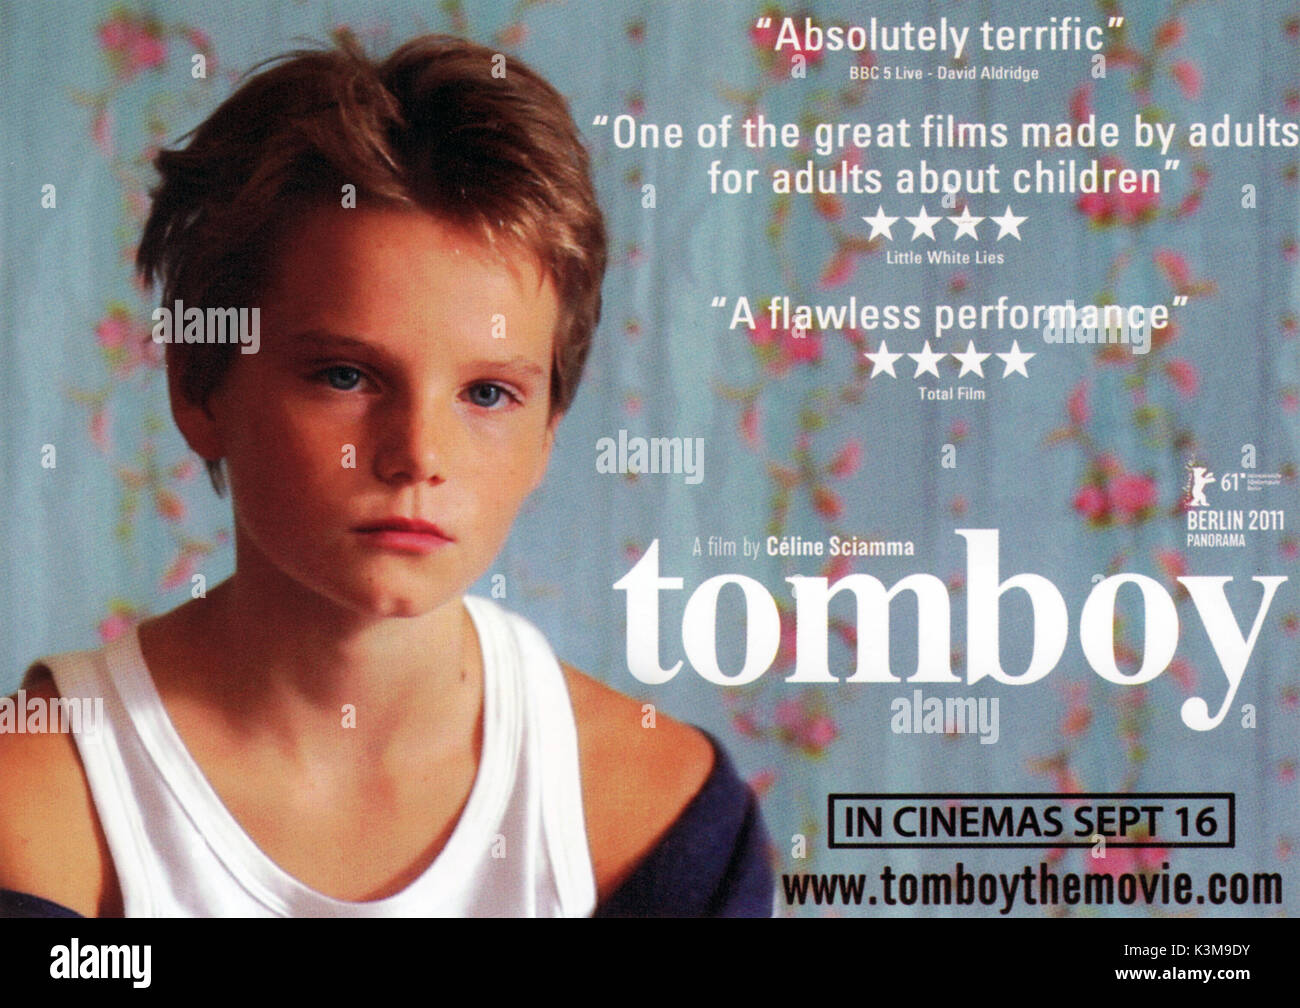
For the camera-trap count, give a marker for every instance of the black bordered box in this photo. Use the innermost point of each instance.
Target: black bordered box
(1156, 819)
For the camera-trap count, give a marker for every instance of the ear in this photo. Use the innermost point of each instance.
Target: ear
(197, 424)
(548, 442)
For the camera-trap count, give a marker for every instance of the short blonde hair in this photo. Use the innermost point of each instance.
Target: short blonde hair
(443, 125)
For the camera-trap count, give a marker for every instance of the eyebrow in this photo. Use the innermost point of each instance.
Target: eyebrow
(323, 341)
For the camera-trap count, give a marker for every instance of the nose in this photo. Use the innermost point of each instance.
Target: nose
(411, 442)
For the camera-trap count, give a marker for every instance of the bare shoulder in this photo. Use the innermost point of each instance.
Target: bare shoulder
(639, 772)
(50, 842)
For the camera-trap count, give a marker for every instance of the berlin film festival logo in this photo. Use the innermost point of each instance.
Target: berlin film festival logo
(1199, 477)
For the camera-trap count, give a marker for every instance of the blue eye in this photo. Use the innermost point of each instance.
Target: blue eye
(486, 395)
(342, 377)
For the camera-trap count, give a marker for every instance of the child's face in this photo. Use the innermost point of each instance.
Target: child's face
(404, 374)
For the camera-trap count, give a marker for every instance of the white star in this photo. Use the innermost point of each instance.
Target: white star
(927, 359)
(1008, 224)
(881, 224)
(923, 223)
(966, 224)
(1015, 360)
(882, 360)
(971, 361)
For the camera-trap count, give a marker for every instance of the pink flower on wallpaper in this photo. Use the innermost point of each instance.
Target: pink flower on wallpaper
(839, 270)
(1183, 674)
(99, 435)
(802, 349)
(1172, 563)
(513, 35)
(1091, 502)
(171, 507)
(749, 425)
(1186, 379)
(114, 329)
(1077, 405)
(803, 727)
(1095, 206)
(101, 132)
(1132, 494)
(1081, 103)
(1077, 719)
(820, 732)
(1190, 203)
(847, 459)
(784, 348)
(837, 568)
(764, 37)
(180, 570)
(762, 782)
(132, 45)
(146, 51)
(1188, 76)
(1174, 266)
(1129, 208)
(1116, 862)
(744, 724)
(1171, 33)
(1108, 464)
(1132, 207)
(112, 627)
(762, 334)
(827, 502)
(1290, 401)
(138, 204)
(829, 206)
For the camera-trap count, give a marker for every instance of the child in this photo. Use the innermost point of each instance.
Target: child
(334, 730)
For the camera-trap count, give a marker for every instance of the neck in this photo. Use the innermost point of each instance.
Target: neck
(274, 659)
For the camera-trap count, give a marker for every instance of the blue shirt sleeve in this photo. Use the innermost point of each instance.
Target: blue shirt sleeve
(17, 904)
(713, 862)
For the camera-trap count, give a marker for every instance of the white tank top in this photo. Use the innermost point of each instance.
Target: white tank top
(518, 849)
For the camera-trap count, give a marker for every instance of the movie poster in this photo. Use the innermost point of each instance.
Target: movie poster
(937, 452)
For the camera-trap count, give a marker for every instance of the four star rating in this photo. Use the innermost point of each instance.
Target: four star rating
(966, 224)
(927, 360)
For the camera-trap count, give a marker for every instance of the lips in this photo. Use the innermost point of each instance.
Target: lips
(400, 524)
(406, 535)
